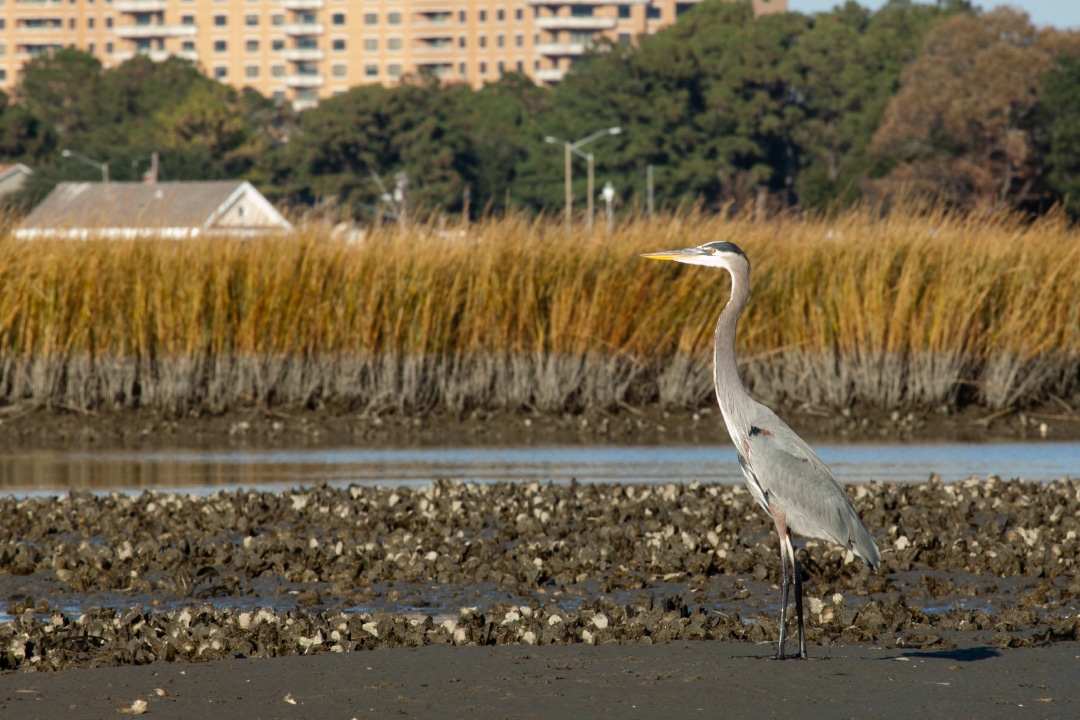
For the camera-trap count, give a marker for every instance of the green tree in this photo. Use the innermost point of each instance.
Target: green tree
(1057, 128)
(847, 67)
(351, 147)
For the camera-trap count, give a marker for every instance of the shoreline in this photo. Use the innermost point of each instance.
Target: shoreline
(260, 427)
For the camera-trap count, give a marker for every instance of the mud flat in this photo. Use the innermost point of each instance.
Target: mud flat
(34, 427)
(94, 581)
(679, 679)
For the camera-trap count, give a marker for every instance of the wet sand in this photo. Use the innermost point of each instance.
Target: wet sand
(677, 680)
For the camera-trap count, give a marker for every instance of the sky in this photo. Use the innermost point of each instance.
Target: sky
(1058, 13)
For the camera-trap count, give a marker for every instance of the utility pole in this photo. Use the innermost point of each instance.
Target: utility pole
(592, 185)
(569, 188)
(649, 188)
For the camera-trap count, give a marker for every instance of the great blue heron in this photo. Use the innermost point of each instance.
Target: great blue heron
(785, 476)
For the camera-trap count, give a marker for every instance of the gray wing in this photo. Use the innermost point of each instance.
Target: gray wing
(783, 471)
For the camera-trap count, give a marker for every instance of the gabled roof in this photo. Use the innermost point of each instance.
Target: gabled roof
(13, 169)
(173, 209)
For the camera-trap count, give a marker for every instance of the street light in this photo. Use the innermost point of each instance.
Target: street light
(609, 195)
(103, 167)
(572, 148)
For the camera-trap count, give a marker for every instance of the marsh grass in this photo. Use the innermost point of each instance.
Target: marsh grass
(922, 308)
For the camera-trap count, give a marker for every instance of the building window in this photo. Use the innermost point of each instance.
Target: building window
(624, 12)
(500, 41)
(483, 16)
(278, 71)
(71, 23)
(108, 48)
(500, 15)
(581, 11)
(483, 41)
(339, 71)
(278, 96)
(461, 42)
(221, 20)
(339, 45)
(251, 46)
(89, 48)
(188, 46)
(277, 45)
(624, 38)
(502, 67)
(652, 12)
(371, 19)
(251, 20)
(108, 22)
(3, 75)
(394, 44)
(371, 70)
(461, 16)
(252, 71)
(461, 70)
(371, 44)
(221, 46)
(393, 70)
(221, 72)
(519, 41)
(338, 19)
(520, 66)
(393, 18)
(519, 14)
(277, 19)
(187, 19)
(483, 68)
(89, 24)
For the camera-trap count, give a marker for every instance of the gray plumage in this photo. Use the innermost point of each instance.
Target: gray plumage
(783, 473)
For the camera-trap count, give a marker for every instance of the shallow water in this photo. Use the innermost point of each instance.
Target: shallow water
(49, 472)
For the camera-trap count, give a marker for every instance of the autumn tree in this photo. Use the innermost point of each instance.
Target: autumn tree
(960, 126)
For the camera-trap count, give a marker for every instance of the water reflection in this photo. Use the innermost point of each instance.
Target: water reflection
(44, 472)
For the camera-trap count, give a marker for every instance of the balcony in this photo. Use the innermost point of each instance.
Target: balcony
(438, 50)
(136, 6)
(155, 55)
(302, 4)
(549, 75)
(576, 23)
(301, 29)
(304, 81)
(303, 54)
(593, 3)
(138, 32)
(443, 33)
(561, 49)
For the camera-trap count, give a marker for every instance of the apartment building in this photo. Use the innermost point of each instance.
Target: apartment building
(304, 50)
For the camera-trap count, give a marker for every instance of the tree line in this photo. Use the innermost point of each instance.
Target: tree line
(977, 109)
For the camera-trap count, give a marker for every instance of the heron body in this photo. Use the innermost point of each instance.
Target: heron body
(783, 473)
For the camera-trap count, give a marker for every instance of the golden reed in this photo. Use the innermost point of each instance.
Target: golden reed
(982, 300)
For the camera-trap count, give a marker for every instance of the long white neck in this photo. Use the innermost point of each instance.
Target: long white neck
(735, 404)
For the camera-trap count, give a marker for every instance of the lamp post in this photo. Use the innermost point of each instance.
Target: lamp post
(572, 148)
(103, 167)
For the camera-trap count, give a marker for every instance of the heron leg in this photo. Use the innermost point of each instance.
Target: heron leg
(787, 575)
(798, 597)
(785, 584)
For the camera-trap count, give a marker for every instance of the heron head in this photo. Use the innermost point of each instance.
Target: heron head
(713, 254)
